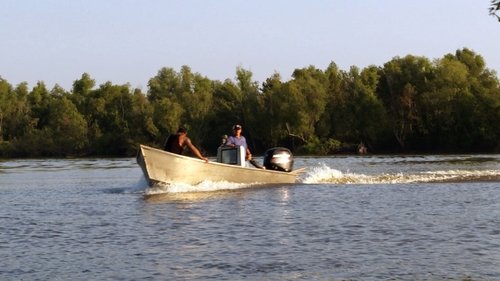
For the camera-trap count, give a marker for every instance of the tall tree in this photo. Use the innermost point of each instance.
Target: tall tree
(443, 105)
(249, 105)
(196, 99)
(19, 120)
(142, 126)
(273, 124)
(327, 127)
(470, 100)
(164, 92)
(113, 108)
(68, 129)
(5, 103)
(227, 102)
(39, 99)
(370, 116)
(402, 80)
(81, 91)
(309, 88)
(166, 83)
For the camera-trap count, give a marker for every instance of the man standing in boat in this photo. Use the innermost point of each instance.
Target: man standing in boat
(176, 142)
(238, 139)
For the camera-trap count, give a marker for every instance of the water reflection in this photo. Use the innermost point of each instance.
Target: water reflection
(84, 221)
(217, 191)
(190, 196)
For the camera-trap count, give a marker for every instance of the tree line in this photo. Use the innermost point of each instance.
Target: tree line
(409, 105)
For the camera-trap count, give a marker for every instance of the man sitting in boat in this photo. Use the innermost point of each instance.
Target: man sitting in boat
(176, 142)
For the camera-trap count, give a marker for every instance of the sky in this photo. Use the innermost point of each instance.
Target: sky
(129, 41)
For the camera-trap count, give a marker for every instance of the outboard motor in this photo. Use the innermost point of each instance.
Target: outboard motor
(279, 159)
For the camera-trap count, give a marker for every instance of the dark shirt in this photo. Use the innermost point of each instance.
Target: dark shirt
(172, 145)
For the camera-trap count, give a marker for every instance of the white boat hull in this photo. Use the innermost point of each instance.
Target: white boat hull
(161, 166)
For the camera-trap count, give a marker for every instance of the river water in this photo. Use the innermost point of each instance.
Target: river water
(349, 218)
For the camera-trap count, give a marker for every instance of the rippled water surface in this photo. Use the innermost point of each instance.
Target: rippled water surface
(348, 218)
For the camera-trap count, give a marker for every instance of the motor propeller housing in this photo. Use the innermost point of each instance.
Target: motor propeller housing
(279, 159)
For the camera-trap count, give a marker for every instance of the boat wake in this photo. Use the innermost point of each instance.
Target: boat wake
(325, 174)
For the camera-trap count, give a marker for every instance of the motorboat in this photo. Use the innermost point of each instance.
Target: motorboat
(162, 167)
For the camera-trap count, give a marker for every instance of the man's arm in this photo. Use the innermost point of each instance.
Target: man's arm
(230, 141)
(195, 150)
(249, 155)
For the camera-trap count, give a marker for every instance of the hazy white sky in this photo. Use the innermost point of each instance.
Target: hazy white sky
(128, 41)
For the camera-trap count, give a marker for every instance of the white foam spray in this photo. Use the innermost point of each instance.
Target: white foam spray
(325, 174)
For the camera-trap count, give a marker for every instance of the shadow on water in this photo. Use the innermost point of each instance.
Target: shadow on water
(139, 187)
(451, 160)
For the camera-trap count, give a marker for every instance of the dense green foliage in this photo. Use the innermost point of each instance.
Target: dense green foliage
(409, 104)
